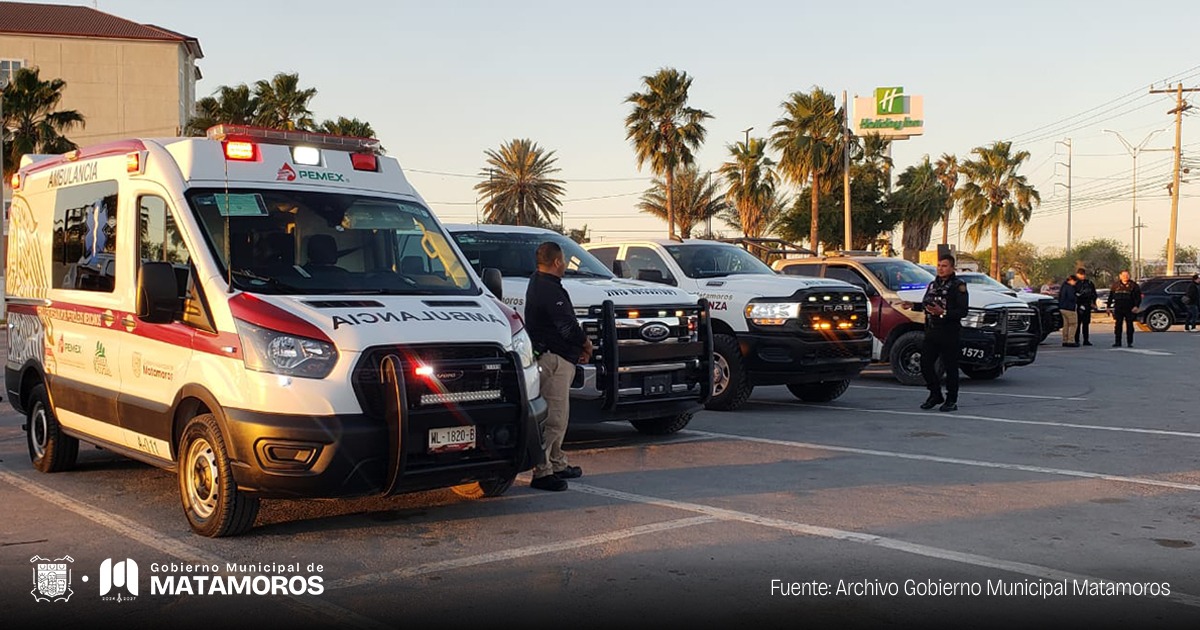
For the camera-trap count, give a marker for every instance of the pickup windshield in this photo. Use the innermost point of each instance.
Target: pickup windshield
(308, 243)
(715, 260)
(988, 282)
(900, 275)
(515, 253)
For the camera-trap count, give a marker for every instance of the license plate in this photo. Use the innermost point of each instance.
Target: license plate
(656, 385)
(452, 439)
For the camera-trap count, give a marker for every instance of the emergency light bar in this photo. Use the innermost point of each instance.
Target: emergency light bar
(227, 133)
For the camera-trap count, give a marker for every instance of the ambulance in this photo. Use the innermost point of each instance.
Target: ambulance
(653, 364)
(265, 313)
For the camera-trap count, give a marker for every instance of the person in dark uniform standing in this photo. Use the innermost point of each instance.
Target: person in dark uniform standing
(1085, 300)
(945, 304)
(1124, 296)
(560, 343)
(1191, 299)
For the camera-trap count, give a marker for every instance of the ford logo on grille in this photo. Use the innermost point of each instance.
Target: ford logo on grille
(449, 376)
(655, 332)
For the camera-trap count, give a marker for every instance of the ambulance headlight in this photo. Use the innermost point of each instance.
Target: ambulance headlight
(266, 350)
(523, 346)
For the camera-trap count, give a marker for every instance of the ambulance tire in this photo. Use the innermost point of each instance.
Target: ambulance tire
(727, 355)
(211, 501)
(485, 489)
(825, 391)
(50, 449)
(662, 426)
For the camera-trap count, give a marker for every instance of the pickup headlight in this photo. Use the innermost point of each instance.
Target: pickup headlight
(981, 318)
(267, 350)
(523, 346)
(772, 313)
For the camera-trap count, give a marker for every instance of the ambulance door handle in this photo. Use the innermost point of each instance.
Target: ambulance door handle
(128, 321)
(107, 318)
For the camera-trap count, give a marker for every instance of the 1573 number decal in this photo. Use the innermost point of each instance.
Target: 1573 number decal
(973, 353)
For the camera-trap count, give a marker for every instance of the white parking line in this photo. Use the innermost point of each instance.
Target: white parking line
(971, 392)
(1153, 353)
(172, 547)
(521, 552)
(1021, 568)
(1141, 481)
(963, 416)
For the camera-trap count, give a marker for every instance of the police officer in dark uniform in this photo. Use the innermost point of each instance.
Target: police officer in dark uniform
(1124, 296)
(945, 304)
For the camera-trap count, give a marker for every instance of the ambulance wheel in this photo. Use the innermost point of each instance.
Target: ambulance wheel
(662, 426)
(50, 449)
(824, 391)
(485, 489)
(211, 501)
(731, 385)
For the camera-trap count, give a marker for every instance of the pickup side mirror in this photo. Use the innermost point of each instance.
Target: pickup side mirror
(618, 268)
(157, 293)
(656, 276)
(494, 282)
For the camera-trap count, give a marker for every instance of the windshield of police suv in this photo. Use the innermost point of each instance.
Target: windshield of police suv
(716, 260)
(515, 253)
(301, 242)
(900, 275)
(986, 281)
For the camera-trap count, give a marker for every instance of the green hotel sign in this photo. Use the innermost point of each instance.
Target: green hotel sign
(889, 101)
(895, 114)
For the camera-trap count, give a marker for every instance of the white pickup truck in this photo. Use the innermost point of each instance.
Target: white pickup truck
(810, 334)
(653, 364)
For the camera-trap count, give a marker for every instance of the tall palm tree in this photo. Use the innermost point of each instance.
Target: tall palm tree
(519, 188)
(695, 199)
(947, 173)
(995, 196)
(810, 142)
(282, 104)
(234, 105)
(664, 131)
(347, 127)
(921, 200)
(751, 181)
(32, 122)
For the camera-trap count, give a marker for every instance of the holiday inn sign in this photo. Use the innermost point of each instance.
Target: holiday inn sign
(889, 113)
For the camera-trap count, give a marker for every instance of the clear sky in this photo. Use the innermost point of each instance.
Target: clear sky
(443, 81)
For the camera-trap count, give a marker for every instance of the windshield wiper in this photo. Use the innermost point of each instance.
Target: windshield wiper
(255, 278)
(584, 273)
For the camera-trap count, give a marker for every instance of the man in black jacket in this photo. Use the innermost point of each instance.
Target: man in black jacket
(1085, 300)
(1124, 296)
(560, 343)
(945, 304)
(1191, 299)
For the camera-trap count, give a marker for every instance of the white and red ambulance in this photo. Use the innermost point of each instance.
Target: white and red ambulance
(267, 313)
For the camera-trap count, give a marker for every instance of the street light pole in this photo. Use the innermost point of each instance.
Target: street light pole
(1134, 151)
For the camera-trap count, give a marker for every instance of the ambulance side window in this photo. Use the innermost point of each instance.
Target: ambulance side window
(85, 237)
(160, 240)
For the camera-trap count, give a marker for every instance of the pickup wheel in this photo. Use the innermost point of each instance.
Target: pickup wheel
(731, 385)
(50, 449)
(662, 426)
(906, 358)
(1159, 320)
(485, 489)
(982, 374)
(211, 501)
(824, 391)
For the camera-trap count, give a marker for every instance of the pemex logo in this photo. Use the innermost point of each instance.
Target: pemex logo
(889, 101)
(286, 173)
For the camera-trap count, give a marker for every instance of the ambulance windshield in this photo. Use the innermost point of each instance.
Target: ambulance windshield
(308, 243)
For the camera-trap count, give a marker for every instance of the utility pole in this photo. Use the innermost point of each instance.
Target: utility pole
(1134, 151)
(1067, 142)
(1180, 107)
(846, 171)
(1137, 253)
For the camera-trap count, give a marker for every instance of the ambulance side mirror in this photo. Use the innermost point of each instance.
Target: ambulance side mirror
(157, 293)
(494, 282)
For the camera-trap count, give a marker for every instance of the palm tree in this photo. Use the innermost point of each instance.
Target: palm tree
(232, 105)
(282, 104)
(695, 199)
(994, 196)
(921, 200)
(809, 139)
(347, 127)
(947, 173)
(519, 188)
(31, 123)
(664, 131)
(751, 180)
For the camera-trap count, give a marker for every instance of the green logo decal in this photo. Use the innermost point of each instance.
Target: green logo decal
(100, 350)
(889, 101)
(319, 176)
